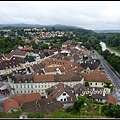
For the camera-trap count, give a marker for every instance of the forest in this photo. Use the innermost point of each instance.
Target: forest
(111, 39)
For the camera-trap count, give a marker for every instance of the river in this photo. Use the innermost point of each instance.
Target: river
(112, 51)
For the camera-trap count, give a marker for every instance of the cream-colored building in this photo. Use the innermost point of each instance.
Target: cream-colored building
(38, 83)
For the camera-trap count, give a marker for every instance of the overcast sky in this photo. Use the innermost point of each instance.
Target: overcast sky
(94, 15)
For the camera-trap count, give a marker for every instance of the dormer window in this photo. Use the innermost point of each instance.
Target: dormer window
(25, 81)
(19, 81)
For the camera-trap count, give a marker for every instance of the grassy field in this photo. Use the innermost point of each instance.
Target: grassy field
(114, 49)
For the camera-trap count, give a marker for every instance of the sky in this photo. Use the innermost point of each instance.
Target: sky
(93, 15)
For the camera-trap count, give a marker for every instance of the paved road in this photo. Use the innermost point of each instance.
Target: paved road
(112, 74)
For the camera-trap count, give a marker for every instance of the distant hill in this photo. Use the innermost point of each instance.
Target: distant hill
(107, 31)
(57, 26)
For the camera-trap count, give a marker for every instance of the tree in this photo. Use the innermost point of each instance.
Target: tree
(108, 85)
(78, 103)
(87, 45)
(35, 115)
(111, 110)
(87, 83)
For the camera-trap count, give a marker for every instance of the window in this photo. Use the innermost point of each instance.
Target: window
(17, 91)
(102, 83)
(28, 86)
(31, 91)
(28, 91)
(90, 83)
(100, 99)
(39, 86)
(21, 91)
(95, 83)
(61, 99)
(64, 99)
(64, 94)
(80, 89)
(25, 91)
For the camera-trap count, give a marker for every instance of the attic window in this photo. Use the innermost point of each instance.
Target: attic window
(64, 94)
(26, 81)
(19, 81)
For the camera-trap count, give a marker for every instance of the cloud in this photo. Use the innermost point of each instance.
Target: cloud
(86, 14)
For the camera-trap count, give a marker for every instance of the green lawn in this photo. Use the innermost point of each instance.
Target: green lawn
(114, 49)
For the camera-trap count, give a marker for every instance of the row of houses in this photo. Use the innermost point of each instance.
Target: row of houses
(59, 96)
(59, 78)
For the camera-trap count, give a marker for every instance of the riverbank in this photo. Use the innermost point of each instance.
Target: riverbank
(114, 49)
(104, 47)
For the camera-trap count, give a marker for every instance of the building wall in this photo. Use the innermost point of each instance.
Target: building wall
(25, 88)
(101, 100)
(96, 84)
(62, 97)
(8, 71)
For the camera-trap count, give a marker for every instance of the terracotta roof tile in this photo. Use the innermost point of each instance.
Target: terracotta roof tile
(14, 53)
(45, 106)
(111, 99)
(43, 78)
(95, 77)
(10, 103)
(26, 97)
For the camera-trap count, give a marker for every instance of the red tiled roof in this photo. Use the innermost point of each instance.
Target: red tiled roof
(26, 97)
(43, 78)
(111, 99)
(14, 53)
(95, 77)
(10, 103)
